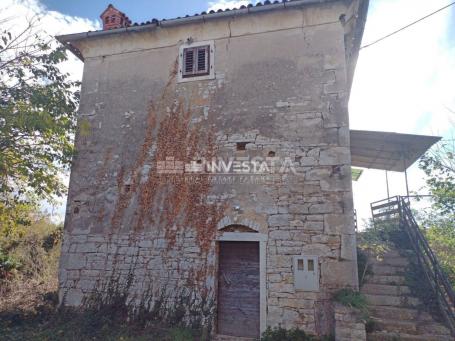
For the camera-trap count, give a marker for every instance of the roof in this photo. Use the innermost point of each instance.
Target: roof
(388, 151)
(266, 6)
(198, 17)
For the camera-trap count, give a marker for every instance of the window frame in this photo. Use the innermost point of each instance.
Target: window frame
(207, 74)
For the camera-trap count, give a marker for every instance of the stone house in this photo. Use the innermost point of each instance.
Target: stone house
(213, 167)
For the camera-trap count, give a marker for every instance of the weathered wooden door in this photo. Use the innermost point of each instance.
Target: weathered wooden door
(238, 289)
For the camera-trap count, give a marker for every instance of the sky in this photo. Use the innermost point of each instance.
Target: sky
(403, 84)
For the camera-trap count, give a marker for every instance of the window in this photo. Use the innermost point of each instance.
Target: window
(310, 265)
(241, 146)
(196, 61)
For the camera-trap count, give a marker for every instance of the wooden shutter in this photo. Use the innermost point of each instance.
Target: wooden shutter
(188, 62)
(202, 65)
(196, 61)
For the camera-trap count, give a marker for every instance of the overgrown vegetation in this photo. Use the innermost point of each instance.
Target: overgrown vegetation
(439, 222)
(29, 302)
(355, 300)
(295, 334)
(351, 298)
(67, 324)
(28, 265)
(376, 240)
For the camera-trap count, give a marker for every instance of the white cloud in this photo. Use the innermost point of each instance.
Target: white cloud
(402, 84)
(51, 23)
(225, 4)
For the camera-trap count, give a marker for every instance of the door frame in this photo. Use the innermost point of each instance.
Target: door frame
(262, 239)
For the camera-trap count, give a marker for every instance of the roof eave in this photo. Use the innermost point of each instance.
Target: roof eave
(70, 38)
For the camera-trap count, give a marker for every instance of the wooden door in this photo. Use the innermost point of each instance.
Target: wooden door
(238, 289)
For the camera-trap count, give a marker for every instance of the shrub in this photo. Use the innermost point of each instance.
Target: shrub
(281, 334)
(353, 299)
(181, 334)
(8, 265)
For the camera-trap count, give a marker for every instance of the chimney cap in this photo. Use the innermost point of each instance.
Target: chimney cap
(109, 7)
(109, 23)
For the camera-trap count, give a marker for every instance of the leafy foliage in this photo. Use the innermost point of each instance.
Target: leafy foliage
(8, 265)
(14, 216)
(37, 119)
(439, 166)
(439, 223)
(351, 298)
(440, 233)
(31, 252)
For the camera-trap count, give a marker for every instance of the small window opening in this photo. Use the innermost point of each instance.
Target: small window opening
(300, 265)
(310, 265)
(196, 61)
(199, 161)
(271, 153)
(241, 146)
(76, 210)
(127, 188)
(298, 159)
(113, 18)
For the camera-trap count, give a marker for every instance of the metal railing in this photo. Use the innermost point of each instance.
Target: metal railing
(397, 209)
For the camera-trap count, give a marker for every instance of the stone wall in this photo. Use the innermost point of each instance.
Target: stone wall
(281, 90)
(348, 324)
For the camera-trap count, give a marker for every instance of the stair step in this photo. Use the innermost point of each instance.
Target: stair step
(386, 279)
(385, 289)
(380, 269)
(391, 261)
(394, 301)
(399, 313)
(411, 327)
(220, 337)
(396, 326)
(385, 336)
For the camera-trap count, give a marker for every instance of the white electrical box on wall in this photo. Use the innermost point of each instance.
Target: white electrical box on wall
(306, 273)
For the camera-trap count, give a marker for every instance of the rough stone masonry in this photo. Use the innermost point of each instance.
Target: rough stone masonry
(146, 213)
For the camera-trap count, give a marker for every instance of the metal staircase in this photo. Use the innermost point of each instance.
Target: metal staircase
(396, 210)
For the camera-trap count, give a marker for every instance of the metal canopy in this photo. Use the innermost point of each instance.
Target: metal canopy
(388, 151)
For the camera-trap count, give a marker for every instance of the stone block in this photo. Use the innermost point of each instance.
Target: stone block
(279, 220)
(72, 297)
(314, 226)
(339, 224)
(73, 261)
(348, 247)
(335, 156)
(338, 274)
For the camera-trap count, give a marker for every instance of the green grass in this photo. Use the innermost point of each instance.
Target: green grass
(355, 300)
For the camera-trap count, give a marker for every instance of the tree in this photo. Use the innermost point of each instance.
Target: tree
(439, 167)
(37, 119)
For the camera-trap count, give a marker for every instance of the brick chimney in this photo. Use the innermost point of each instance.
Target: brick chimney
(113, 18)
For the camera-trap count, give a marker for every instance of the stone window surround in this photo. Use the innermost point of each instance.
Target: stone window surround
(262, 239)
(189, 44)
